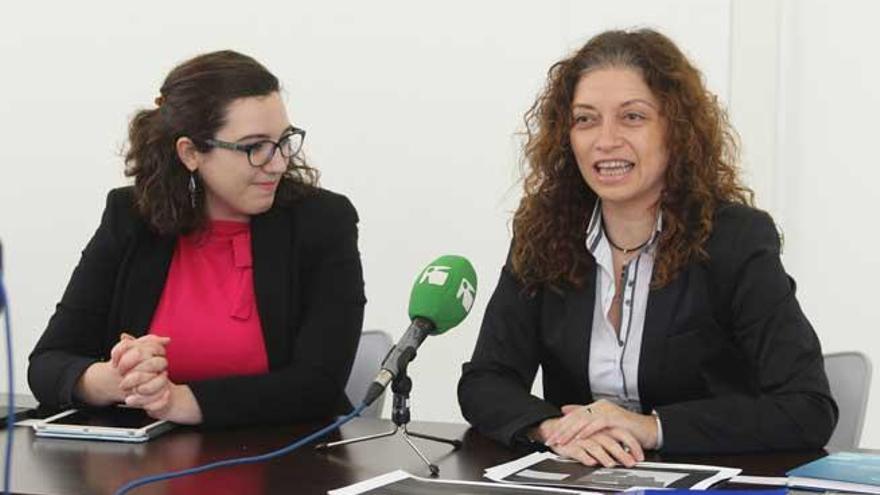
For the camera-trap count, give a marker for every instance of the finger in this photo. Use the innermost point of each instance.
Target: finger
(158, 408)
(131, 358)
(151, 400)
(597, 451)
(153, 386)
(138, 353)
(155, 340)
(152, 345)
(569, 425)
(572, 430)
(569, 408)
(134, 379)
(614, 449)
(119, 349)
(155, 364)
(568, 430)
(629, 441)
(565, 425)
(576, 452)
(163, 339)
(144, 371)
(590, 425)
(142, 401)
(599, 423)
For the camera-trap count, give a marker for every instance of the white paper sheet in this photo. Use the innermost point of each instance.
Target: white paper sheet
(394, 476)
(501, 472)
(760, 480)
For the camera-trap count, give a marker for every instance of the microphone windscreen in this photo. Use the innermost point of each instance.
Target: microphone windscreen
(444, 292)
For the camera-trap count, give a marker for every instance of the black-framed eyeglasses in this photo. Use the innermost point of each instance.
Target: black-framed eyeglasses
(261, 152)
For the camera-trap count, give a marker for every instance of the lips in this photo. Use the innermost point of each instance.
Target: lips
(268, 186)
(613, 168)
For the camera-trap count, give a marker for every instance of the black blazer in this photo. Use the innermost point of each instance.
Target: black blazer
(728, 359)
(310, 297)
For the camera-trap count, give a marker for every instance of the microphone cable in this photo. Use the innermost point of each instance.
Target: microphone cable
(237, 461)
(10, 407)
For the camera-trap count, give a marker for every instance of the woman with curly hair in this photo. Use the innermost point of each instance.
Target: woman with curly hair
(641, 280)
(224, 287)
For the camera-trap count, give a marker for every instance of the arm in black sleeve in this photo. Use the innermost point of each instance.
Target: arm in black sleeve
(792, 408)
(77, 332)
(494, 389)
(313, 384)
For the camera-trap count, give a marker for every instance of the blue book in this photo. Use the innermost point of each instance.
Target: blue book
(850, 467)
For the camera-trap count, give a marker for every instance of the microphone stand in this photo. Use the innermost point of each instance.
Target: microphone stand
(400, 415)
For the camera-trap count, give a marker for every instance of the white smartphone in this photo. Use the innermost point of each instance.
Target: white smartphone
(116, 424)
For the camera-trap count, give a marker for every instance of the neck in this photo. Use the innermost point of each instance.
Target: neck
(629, 227)
(217, 210)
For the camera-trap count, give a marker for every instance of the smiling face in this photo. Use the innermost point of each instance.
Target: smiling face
(618, 137)
(235, 190)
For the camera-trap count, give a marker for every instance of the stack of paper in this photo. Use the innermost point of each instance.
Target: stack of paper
(546, 473)
(402, 483)
(548, 469)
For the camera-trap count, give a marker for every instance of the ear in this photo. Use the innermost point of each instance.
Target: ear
(188, 154)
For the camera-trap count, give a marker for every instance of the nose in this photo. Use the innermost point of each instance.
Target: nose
(609, 136)
(277, 165)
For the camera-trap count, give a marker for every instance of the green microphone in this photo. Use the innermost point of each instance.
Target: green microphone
(442, 296)
(444, 293)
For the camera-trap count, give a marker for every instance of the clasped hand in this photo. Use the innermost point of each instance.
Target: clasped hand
(601, 432)
(137, 374)
(142, 365)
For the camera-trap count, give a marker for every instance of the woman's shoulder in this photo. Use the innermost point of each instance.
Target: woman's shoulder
(319, 201)
(121, 199)
(121, 209)
(321, 211)
(739, 230)
(737, 219)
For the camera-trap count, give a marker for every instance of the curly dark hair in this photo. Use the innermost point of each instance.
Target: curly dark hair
(193, 102)
(549, 226)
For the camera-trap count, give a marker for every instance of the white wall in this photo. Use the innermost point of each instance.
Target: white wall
(830, 177)
(411, 110)
(804, 96)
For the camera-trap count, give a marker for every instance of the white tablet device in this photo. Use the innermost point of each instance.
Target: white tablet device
(117, 424)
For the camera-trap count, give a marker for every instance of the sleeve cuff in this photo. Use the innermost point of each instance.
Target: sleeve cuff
(522, 440)
(659, 430)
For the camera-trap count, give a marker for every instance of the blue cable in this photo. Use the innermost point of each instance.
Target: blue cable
(10, 410)
(237, 461)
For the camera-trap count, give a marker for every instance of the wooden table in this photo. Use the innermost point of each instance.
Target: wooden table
(43, 466)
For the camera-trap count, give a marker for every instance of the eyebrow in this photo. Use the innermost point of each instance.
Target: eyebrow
(288, 129)
(624, 104)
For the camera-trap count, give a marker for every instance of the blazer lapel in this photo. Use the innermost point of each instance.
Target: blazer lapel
(663, 303)
(271, 246)
(577, 326)
(150, 265)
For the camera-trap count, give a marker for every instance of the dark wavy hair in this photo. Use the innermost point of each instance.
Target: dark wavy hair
(549, 226)
(193, 102)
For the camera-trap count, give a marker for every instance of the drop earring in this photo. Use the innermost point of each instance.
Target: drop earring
(192, 189)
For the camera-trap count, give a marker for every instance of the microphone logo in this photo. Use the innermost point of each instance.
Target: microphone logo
(435, 275)
(466, 294)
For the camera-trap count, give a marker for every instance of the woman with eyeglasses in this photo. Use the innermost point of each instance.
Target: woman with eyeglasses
(641, 279)
(224, 287)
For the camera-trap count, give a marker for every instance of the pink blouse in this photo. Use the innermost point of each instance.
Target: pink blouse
(208, 307)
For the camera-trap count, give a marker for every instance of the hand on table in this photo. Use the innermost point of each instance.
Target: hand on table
(601, 432)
